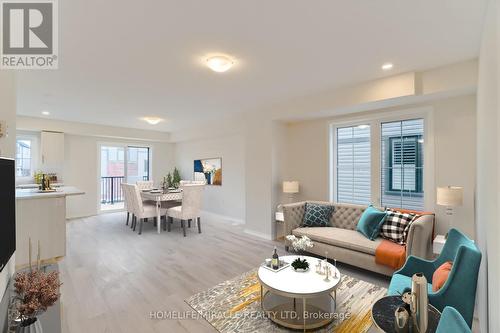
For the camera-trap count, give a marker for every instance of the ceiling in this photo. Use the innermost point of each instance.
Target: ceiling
(123, 60)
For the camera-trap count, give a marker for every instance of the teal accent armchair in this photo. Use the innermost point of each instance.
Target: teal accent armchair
(459, 291)
(452, 321)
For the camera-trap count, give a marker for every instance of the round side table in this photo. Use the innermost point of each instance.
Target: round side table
(383, 314)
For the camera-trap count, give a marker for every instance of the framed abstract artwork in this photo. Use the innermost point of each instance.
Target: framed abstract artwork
(209, 169)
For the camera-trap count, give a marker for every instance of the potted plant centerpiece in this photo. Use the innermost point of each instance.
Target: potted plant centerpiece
(176, 178)
(300, 244)
(36, 290)
(168, 180)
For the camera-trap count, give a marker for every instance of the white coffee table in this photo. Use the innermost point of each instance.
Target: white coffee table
(280, 291)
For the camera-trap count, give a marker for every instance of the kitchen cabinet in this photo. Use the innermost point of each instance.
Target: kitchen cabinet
(41, 217)
(52, 151)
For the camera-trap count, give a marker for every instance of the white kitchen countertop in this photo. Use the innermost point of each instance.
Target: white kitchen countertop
(33, 185)
(64, 191)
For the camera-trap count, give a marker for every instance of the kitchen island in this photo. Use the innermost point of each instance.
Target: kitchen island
(41, 217)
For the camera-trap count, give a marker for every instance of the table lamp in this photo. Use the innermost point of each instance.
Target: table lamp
(290, 188)
(450, 196)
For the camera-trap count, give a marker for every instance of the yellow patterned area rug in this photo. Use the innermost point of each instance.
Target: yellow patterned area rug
(233, 306)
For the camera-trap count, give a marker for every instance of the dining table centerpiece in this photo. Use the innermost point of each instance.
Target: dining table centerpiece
(176, 178)
(299, 245)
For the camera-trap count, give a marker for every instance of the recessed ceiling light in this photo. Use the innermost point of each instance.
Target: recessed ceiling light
(364, 126)
(387, 66)
(152, 120)
(220, 63)
(46, 113)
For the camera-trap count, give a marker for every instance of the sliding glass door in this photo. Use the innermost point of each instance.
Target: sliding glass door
(137, 164)
(119, 164)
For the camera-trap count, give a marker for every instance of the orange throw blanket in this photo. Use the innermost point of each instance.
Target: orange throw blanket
(390, 254)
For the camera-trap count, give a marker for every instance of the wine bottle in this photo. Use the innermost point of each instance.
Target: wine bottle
(275, 262)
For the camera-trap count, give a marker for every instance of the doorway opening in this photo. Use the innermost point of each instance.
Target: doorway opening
(121, 164)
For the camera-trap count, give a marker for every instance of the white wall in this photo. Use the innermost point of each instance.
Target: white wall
(455, 152)
(7, 147)
(454, 144)
(279, 166)
(259, 177)
(488, 164)
(252, 171)
(81, 169)
(227, 200)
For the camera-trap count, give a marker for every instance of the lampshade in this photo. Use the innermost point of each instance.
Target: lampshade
(450, 196)
(291, 186)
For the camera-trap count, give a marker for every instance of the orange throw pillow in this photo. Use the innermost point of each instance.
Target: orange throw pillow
(441, 275)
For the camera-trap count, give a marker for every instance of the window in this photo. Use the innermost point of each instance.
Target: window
(353, 166)
(395, 180)
(402, 164)
(24, 157)
(138, 163)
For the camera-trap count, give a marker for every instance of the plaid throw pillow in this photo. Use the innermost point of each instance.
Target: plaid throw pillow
(396, 226)
(317, 215)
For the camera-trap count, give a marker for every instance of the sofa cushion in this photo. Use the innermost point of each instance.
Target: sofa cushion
(396, 226)
(348, 239)
(370, 222)
(317, 215)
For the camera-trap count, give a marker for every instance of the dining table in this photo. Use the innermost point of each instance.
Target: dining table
(159, 196)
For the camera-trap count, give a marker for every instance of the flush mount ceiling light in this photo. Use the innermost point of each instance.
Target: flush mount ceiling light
(387, 66)
(152, 120)
(220, 63)
(364, 126)
(46, 113)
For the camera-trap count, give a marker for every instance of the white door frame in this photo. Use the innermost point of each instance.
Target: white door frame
(125, 146)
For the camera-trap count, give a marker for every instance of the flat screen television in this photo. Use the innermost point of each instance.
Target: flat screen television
(7, 210)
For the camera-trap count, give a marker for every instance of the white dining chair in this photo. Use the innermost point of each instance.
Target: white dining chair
(145, 184)
(192, 197)
(141, 209)
(126, 199)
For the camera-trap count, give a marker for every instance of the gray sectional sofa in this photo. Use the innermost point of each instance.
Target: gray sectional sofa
(345, 244)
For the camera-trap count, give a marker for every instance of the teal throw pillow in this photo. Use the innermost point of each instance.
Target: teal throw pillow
(371, 222)
(317, 215)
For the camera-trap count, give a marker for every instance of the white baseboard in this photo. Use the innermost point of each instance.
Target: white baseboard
(258, 234)
(70, 218)
(222, 217)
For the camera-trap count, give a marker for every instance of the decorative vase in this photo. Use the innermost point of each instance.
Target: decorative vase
(34, 327)
(419, 302)
(402, 319)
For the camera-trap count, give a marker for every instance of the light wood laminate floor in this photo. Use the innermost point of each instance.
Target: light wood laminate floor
(113, 278)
